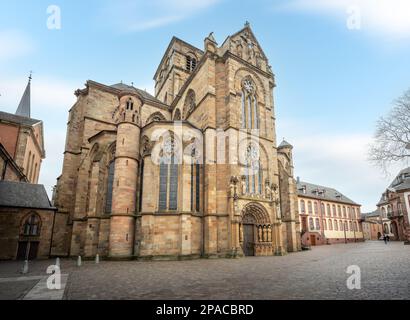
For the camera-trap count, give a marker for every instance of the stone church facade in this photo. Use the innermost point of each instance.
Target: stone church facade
(194, 171)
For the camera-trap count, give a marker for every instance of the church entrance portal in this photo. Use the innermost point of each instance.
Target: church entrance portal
(255, 231)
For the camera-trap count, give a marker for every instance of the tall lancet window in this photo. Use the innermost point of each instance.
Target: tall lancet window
(253, 170)
(168, 177)
(195, 181)
(110, 184)
(249, 105)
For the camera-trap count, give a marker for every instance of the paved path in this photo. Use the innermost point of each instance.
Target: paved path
(317, 274)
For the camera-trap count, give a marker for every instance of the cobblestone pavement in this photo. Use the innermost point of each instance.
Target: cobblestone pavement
(316, 274)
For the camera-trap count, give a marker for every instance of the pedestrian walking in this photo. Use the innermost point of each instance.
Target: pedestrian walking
(385, 239)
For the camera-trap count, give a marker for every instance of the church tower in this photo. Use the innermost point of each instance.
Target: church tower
(122, 225)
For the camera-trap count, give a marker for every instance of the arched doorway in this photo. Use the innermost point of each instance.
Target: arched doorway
(395, 230)
(255, 231)
(29, 239)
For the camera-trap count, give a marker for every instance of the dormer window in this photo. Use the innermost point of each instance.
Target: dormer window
(190, 63)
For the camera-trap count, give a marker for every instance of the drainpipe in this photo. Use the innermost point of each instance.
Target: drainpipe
(52, 233)
(203, 193)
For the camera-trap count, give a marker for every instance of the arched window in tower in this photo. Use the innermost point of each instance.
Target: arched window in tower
(168, 177)
(31, 226)
(28, 165)
(195, 181)
(249, 105)
(253, 170)
(190, 63)
(110, 184)
(130, 104)
(189, 103)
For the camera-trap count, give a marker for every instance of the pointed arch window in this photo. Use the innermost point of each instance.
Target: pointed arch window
(110, 184)
(249, 104)
(31, 226)
(168, 178)
(253, 170)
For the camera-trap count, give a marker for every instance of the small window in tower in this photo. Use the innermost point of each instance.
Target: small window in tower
(190, 63)
(130, 104)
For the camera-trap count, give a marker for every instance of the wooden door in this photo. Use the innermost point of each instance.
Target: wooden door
(33, 250)
(248, 240)
(313, 240)
(22, 250)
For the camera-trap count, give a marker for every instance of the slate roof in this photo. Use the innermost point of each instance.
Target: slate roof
(143, 93)
(24, 195)
(24, 105)
(9, 117)
(285, 144)
(375, 213)
(402, 180)
(330, 194)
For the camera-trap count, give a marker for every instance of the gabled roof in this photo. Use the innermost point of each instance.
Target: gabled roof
(249, 29)
(329, 194)
(171, 43)
(23, 195)
(9, 117)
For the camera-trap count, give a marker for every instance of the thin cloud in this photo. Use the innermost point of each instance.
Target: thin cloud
(337, 160)
(14, 44)
(387, 17)
(134, 16)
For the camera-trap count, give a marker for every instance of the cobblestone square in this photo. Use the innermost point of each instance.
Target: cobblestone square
(316, 274)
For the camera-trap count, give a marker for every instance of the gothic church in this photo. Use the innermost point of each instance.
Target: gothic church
(194, 171)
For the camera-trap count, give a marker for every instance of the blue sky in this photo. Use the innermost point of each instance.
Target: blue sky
(333, 82)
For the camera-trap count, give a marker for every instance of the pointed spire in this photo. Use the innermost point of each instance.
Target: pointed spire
(24, 106)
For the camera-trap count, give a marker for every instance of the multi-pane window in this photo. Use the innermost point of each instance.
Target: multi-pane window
(328, 210)
(324, 224)
(339, 211)
(316, 208)
(334, 210)
(302, 206)
(310, 207)
(110, 184)
(32, 226)
(336, 226)
(330, 225)
(344, 212)
(249, 105)
(317, 224)
(168, 178)
(311, 224)
(322, 207)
